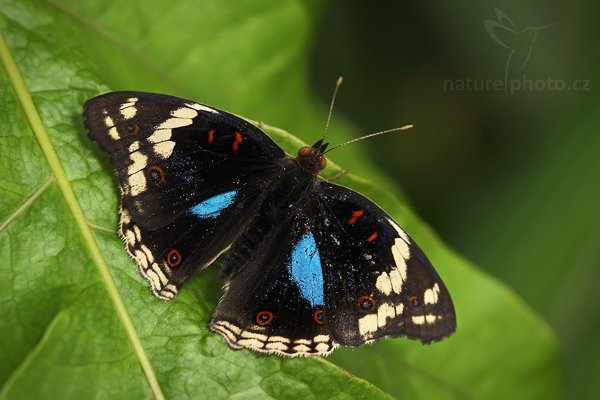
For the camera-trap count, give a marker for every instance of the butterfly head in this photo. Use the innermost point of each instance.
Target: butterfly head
(311, 157)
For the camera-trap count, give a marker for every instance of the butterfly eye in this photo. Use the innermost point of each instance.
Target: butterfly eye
(319, 317)
(173, 258)
(304, 150)
(133, 129)
(156, 174)
(323, 162)
(366, 303)
(264, 318)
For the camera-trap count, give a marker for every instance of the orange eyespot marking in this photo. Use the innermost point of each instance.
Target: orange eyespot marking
(156, 175)
(304, 150)
(319, 317)
(355, 215)
(372, 237)
(173, 258)
(133, 129)
(236, 143)
(365, 303)
(264, 318)
(211, 136)
(412, 301)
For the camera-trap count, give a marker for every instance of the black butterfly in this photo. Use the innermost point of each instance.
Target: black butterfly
(311, 265)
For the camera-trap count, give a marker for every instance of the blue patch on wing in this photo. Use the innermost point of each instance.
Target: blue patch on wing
(305, 270)
(211, 208)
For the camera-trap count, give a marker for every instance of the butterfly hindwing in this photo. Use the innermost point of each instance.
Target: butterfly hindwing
(190, 176)
(274, 301)
(378, 282)
(168, 256)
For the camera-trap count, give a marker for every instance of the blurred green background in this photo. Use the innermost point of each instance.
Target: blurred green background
(510, 181)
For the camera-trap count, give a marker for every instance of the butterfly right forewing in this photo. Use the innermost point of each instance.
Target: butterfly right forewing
(378, 283)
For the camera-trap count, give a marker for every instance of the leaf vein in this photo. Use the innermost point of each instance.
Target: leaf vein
(27, 203)
(39, 130)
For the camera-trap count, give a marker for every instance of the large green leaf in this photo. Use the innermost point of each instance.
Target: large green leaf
(78, 321)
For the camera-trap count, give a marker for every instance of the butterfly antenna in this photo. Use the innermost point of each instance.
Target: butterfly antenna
(402, 128)
(338, 83)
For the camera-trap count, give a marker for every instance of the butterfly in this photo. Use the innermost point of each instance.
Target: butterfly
(310, 266)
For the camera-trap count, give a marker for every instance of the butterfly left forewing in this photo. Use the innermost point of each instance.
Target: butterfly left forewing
(190, 175)
(378, 282)
(171, 153)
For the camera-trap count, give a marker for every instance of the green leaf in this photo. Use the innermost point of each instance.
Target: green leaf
(79, 321)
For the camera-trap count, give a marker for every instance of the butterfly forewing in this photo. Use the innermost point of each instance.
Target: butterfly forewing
(190, 176)
(378, 282)
(339, 270)
(171, 153)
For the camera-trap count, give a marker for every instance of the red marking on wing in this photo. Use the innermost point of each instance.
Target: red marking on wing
(211, 136)
(133, 129)
(174, 258)
(264, 318)
(412, 300)
(355, 215)
(365, 303)
(318, 317)
(159, 177)
(236, 142)
(372, 237)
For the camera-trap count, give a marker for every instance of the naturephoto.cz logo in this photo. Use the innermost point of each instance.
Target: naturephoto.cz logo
(518, 44)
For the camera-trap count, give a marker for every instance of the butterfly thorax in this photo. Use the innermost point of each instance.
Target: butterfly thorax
(311, 157)
(292, 185)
